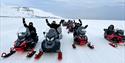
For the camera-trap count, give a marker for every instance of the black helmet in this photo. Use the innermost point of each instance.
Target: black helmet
(111, 27)
(54, 22)
(30, 24)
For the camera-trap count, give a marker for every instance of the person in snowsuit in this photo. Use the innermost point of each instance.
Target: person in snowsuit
(110, 30)
(76, 27)
(31, 29)
(54, 25)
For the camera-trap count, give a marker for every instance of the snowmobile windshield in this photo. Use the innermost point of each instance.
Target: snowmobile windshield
(21, 29)
(23, 32)
(119, 32)
(81, 31)
(52, 34)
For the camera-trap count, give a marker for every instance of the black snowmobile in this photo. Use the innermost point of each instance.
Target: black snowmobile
(51, 44)
(114, 36)
(23, 43)
(80, 38)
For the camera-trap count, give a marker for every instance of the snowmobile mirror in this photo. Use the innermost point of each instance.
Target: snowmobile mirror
(105, 29)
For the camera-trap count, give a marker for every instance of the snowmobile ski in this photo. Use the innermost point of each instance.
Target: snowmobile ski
(73, 45)
(113, 45)
(37, 56)
(59, 55)
(4, 55)
(30, 54)
(90, 46)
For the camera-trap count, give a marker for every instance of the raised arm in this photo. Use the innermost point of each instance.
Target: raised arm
(80, 21)
(61, 22)
(47, 22)
(24, 23)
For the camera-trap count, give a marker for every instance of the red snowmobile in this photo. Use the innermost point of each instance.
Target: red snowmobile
(80, 38)
(23, 43)
(115, 37)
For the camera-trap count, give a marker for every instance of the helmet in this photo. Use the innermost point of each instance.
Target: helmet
(30, 24)
(54, 22)
(111, 27)
(51, 35)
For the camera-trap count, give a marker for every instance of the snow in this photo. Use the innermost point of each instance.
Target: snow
(103, 53)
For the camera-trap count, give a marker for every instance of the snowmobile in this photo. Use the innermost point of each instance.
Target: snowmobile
(51, 44)
(80, 38)
(114, 36)
(23, 43)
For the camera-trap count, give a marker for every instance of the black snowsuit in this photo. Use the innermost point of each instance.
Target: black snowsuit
(55, 26)
(32, 30)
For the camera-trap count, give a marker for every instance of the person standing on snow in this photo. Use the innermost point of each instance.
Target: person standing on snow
(31, 29)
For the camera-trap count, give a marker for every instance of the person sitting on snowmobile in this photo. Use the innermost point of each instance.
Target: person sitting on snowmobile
(31, 28)
(110, 30)
(54, 25)
(78, 25)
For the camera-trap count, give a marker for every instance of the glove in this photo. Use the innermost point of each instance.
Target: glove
(62, 21)
(23, 20)
(46, 19)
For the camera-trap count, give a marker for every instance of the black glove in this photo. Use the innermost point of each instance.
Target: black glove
(62, 21)
(23, 20)
(79, 19)
(47, 20)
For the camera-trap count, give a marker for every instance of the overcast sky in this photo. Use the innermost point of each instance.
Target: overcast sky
(89, 9)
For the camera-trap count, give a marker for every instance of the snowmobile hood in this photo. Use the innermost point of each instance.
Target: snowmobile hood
(81, 31)
(52, 33)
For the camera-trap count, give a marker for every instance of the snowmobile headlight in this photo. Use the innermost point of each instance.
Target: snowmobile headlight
(47, 39)
(20, 34)
(81, 35)
(52, 39)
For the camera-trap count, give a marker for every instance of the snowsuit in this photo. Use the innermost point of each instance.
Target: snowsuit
(55, 26)
(76, 27)
(32, 30)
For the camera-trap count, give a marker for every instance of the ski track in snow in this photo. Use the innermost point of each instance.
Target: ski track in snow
(103, 53)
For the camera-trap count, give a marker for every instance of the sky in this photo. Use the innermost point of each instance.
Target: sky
(83, 9)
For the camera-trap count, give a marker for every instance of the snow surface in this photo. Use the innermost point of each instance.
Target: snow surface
(103, 53)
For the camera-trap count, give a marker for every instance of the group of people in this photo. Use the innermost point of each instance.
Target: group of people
(54, 25)
(51, 43)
